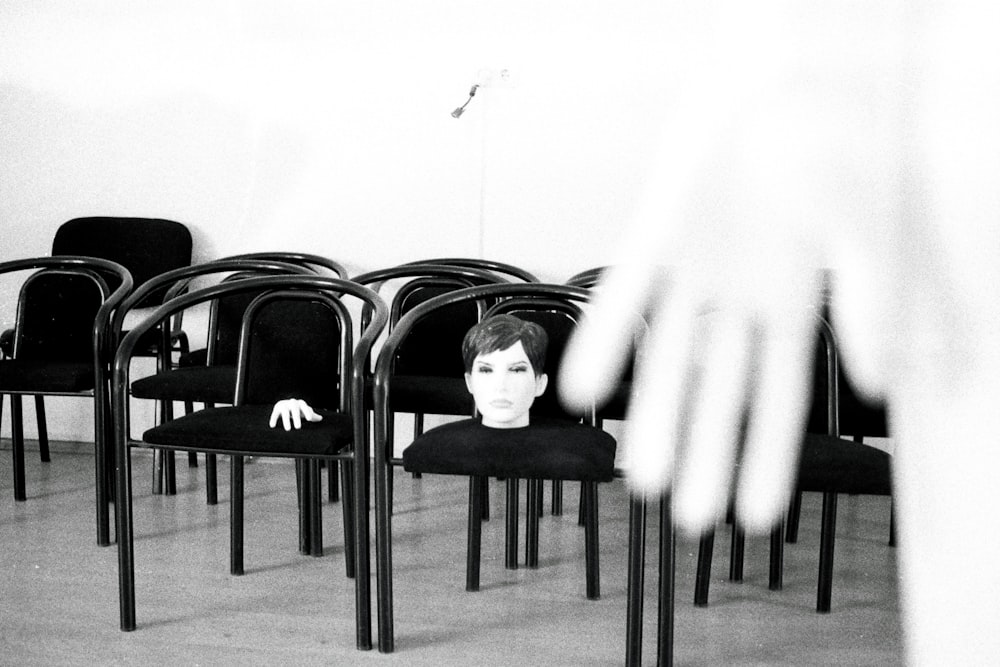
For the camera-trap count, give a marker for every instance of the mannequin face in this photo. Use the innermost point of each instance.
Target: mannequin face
(504, 386)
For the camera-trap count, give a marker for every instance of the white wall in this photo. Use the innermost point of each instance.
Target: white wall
(325, 126)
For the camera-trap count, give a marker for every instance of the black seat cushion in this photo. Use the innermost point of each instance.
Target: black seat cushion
(245, 429)
(44, 376)
(202, 384)
(546, 449)
(834, 464)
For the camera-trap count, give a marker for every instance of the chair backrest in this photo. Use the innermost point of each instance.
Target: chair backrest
(56, 313)
(502, 269)
(146, 247)
(435, 346)
(555, 306)
(316, 263)
(587, 279)
(559, 317)
(176, 282)
(295, 345)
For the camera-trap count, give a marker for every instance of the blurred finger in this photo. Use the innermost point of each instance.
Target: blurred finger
(599, 349)
(653, 425)
(705, 468)
(777, 414)
(296, 410)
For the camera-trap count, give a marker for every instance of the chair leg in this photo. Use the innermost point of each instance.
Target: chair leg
(211, 480)
(828, 529)
(305, 507)
(775, 580)
(582, 508)
(236, 516)
(792, 526)
(192, 460)
(347, 507)
(332, 483)
(636, 576)
(592, 543)
(315, 508)
(43, 430)
(418, 430)
(892, 523)
(557, 497)
(531, 523)
(513, 506)
(17, 445)
(475, 534)
(736, 550)
(703, 572)
(485, 516)
(126, 550)
(668, 568)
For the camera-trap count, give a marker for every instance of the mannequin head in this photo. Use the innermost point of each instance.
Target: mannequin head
(504, 358)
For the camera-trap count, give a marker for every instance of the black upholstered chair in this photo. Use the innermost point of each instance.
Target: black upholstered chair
(828, 464)
(429, 379)
(60, 348)
(207, 378)
(549, 448)
(144, 246)
(296, 340)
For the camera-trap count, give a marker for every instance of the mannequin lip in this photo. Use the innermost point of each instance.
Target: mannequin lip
(501, 403)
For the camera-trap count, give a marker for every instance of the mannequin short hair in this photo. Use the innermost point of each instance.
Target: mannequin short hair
(499, 333)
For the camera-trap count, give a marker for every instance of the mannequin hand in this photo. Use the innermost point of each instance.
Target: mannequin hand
(291, 411)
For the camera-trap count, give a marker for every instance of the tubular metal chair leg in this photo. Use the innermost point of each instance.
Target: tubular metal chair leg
(513, 503)
(636, 577)
(531, 523)
(43, 430)
(703, 576)
(592, 543)
(211, 480)
(775, 580)
(824, 589)
(665, 613)
(475, 535)
(17, 445)
(236, 516)
(315, 489)
(557, 497)
(126, 550)
(347, 507)
(792, 526)
(736, 551)
(333, 485)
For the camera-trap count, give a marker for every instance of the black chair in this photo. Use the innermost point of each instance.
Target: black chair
(429, 380)
(208, 378)
(315, 359)
(828, 464)
(145, 247)
(550, 448)
(60, 348)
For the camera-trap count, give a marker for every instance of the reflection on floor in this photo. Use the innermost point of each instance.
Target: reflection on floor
(60, 604)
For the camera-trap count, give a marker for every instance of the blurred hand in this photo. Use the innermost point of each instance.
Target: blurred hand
(778, 160)
(292, 411)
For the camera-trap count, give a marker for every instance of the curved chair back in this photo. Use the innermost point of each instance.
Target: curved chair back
(500, 268)
(318, 263)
